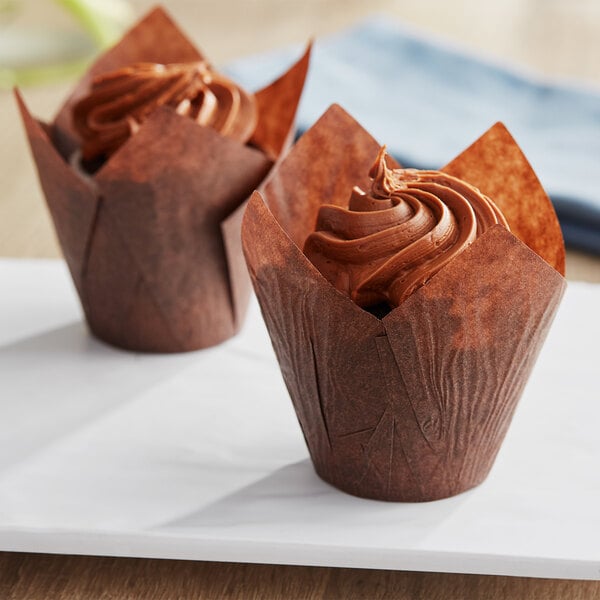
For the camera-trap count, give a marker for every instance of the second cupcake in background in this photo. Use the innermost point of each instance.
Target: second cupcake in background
(145, 170)
(407, 330)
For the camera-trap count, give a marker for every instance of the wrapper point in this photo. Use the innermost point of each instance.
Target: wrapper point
(277, 106)
(497, 166)
(326, 168)
(71, 200)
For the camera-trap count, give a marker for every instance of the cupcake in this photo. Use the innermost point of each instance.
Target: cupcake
(146, 170)
(406, 308)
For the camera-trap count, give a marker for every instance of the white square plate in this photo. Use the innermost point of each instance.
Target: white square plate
(199, 456)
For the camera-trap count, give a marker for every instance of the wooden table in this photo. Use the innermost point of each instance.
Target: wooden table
(556, 38)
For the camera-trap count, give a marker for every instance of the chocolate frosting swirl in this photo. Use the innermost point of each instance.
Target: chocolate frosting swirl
(392, 240)
(120, 101)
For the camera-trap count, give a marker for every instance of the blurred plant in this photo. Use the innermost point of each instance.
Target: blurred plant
(104, 20)
(8, 8)
(29, 55)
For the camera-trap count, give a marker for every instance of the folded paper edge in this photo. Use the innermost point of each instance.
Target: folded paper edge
(334, 119)
(543, 235)
(116, 160)
(239, 279)
(87, 204)
(258, 224)
(278, 104)
(507, 237)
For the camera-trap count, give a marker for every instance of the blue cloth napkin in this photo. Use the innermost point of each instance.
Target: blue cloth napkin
(428, 101)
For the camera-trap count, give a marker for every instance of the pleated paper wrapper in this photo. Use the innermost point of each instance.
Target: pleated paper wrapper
(414, 406)
(152, 240)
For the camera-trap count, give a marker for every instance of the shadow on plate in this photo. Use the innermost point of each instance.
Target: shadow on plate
(58, 381)
(293, 498)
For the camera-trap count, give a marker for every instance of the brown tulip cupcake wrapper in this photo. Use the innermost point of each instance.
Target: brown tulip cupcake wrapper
(152, 238)
(413, 406)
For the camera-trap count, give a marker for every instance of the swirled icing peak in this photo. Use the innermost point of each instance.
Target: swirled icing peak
(120, 101)
(393, 239)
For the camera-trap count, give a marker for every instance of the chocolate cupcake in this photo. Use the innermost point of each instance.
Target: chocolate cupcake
(146, 169)
(408, 327)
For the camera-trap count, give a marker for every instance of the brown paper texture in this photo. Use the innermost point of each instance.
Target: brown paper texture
(152, 238)
(497, 166)
(414, 406)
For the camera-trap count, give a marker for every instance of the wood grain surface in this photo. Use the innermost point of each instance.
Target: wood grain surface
(557, 38)
(53, 577)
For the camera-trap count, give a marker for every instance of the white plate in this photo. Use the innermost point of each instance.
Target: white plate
(199, 456)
